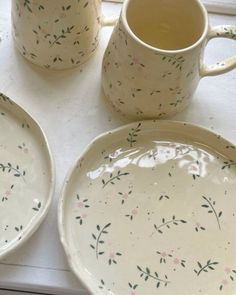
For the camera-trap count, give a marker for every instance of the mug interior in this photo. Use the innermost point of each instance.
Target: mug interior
(166, 24)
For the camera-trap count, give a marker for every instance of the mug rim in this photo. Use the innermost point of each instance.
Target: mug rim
(169, 51)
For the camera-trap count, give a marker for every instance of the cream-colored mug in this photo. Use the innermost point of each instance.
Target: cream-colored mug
(57, 34)
(153, 62)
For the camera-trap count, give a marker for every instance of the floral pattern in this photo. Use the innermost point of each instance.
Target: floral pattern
(144, 204)
(25, 181)
(210, 265)
(152, 83)
(55, 34)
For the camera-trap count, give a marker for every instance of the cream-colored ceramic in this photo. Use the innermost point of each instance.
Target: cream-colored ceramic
(151, 208)
(27, 176)
(153, 62)
(57, 34)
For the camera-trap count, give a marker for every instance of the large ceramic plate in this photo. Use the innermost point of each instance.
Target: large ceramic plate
(150, 208)
(26, 173)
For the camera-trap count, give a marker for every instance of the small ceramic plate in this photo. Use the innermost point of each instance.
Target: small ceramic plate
(27, 176)
(151, 207)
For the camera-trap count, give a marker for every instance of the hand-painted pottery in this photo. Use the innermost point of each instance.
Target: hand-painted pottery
(57, 34)
(151, 208)
(153, 62)
(27, 176)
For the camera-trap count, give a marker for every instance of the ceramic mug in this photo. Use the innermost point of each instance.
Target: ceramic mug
(153, 62)
(57, 34)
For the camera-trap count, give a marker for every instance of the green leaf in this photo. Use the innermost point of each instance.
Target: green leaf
(106, 226)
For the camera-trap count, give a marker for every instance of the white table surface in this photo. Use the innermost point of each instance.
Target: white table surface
(71, 109)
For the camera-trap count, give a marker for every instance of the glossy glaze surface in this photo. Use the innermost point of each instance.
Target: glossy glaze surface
(152, 206)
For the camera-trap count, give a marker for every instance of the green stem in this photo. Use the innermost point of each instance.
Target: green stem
(168, 222)
(113, 178)
(58, 38)
(98, 239)
(180, 61)
(12, 168)
(229, 165)
(213, 209)
(204, 267)
(155, 278)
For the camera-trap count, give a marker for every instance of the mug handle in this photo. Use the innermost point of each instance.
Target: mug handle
(227, 65)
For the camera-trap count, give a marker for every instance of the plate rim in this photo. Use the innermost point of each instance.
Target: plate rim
(60, 209)
(38, 221)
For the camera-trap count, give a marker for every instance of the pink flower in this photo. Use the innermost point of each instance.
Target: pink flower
(132, 293)
(176, 261)
(80, 205)
(7, 193)
(26, 150)
(163, 254)
(125, 196)
(136, 60)
(198, 224)
(228, 270)
(224, 282)
(112, 255)
(134, 212)
(84, 215)
(194, 168)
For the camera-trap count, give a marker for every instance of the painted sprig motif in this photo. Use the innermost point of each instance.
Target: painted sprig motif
(10, 168)
(98, 239)
(27, 5)
(167, 224)
(228, 164)
(58, 38)
(146, 274)
(164, 257)
(175, 61)
(231, 273)
(210, 206)
(82, 204)
(113, 177)
(112, 258)
(7, 193)
(210, 265)
(133, 134)
(133, 287)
